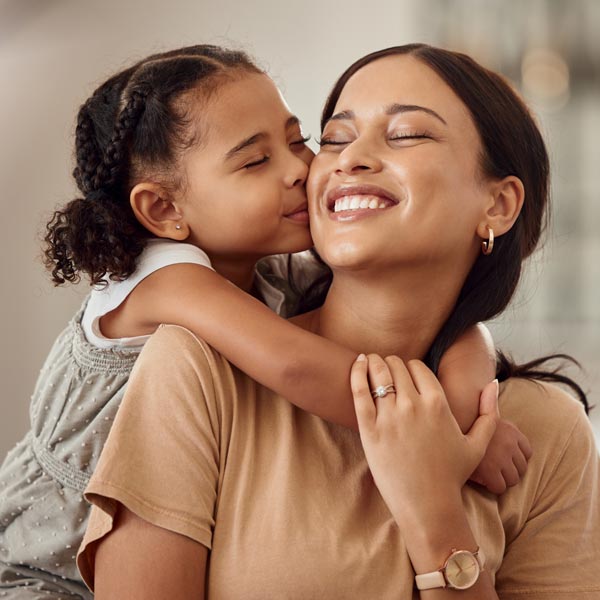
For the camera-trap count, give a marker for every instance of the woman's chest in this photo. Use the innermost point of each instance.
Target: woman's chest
(299, 516)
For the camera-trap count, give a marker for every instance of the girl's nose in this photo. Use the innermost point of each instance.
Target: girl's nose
(297, 171)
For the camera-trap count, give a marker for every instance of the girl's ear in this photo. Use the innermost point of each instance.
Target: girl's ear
(159, 214)
(506, 201)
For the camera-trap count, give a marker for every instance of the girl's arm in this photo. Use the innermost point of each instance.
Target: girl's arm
(129, 565)
(306, 369)
(465, 369)
(423, 491)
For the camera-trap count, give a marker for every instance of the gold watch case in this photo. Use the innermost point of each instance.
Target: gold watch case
(461, 570)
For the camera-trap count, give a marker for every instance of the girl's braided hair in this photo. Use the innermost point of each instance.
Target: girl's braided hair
(136, 123)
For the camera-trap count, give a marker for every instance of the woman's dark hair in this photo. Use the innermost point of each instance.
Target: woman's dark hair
(511, 145)
(135, 124)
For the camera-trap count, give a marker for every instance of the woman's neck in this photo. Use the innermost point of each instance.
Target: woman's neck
(387, 314)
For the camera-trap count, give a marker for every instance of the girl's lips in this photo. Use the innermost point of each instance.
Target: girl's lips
(299, 216)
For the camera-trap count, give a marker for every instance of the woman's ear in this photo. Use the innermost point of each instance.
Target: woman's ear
(506, 201)
(157, 212)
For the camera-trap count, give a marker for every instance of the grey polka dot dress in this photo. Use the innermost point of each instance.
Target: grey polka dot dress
(43, 515)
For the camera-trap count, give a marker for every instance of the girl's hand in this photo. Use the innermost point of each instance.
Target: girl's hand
(415, 449)
(505, 460)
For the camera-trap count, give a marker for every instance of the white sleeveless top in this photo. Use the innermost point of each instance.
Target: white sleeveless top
(157, 254)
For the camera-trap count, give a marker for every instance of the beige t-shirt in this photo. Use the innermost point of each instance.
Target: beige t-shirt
(286, 503)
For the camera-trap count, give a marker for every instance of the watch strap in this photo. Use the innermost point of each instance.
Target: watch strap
(428, 581)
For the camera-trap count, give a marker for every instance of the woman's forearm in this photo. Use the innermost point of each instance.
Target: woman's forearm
(432, 530)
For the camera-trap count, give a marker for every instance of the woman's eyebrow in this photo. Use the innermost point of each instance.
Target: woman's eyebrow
(257, 137)
(393, 109)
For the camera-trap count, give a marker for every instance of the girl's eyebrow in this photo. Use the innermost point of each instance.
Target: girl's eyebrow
(257, 137)
(253, 139)
(392, 109)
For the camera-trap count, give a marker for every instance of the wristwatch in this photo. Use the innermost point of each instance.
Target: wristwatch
(460, 571)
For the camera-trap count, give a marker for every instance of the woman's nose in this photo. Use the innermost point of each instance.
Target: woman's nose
(358, 156)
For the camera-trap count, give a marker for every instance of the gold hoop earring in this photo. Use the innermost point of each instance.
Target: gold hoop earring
(488, 245)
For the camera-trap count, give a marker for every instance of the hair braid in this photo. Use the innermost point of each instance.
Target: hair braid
(135, 125)
(115, 159)
(89, 154)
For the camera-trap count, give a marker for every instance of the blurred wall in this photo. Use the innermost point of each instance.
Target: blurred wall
(54, 52)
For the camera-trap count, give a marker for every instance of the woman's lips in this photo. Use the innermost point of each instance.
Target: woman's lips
(361, 201)
(350, 202)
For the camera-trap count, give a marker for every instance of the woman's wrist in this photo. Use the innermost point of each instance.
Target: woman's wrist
(432, 530)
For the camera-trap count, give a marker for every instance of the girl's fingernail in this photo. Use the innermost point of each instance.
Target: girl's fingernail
(361, 357)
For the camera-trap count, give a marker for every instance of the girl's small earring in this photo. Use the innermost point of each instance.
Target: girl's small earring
(178, 227)
(488, 245)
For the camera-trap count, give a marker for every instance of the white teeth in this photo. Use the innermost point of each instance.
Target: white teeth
(358, 202)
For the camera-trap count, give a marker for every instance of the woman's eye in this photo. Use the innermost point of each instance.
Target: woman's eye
(324, 141)
(409, 136)
(256, 163)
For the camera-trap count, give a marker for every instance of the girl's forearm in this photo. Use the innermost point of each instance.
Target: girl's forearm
(308, 370)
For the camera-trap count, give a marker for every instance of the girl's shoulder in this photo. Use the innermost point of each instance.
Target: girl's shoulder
(157, 254)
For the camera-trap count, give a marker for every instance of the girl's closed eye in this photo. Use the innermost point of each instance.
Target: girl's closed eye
(256, 163)
(300, 142)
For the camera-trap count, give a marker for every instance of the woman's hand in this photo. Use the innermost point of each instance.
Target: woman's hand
(416, 452)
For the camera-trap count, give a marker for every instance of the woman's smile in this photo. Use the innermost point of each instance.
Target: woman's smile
(351, 202)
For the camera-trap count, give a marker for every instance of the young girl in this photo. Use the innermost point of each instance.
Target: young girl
(191, 169)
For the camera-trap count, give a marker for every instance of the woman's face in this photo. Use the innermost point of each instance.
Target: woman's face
(245, 180)
(397, 180)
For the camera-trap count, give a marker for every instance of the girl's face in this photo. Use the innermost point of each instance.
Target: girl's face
(397, 180)
(244, 187)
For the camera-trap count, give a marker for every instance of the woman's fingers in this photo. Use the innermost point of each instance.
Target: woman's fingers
(380, 377)
(485, 425)
(425, 382)
(403, 381)
(363, 401)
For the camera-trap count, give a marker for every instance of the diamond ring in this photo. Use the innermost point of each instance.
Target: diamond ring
(383, 390)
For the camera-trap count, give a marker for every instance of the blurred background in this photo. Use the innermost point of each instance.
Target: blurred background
(53, 53)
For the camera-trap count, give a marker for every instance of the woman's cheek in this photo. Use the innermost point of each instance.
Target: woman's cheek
(317, 177)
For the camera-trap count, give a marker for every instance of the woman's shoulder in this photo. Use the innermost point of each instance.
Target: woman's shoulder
(538, 398)
(176, 344)
(550, 417)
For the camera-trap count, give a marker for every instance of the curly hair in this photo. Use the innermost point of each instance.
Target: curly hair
(134, 124)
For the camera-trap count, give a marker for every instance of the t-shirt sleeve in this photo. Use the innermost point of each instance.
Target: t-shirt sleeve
(556, 553)
(161, 459)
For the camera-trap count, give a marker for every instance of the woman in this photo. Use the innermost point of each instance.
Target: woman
(237, 497)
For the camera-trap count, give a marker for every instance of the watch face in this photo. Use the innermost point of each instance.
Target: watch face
(462, 570)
